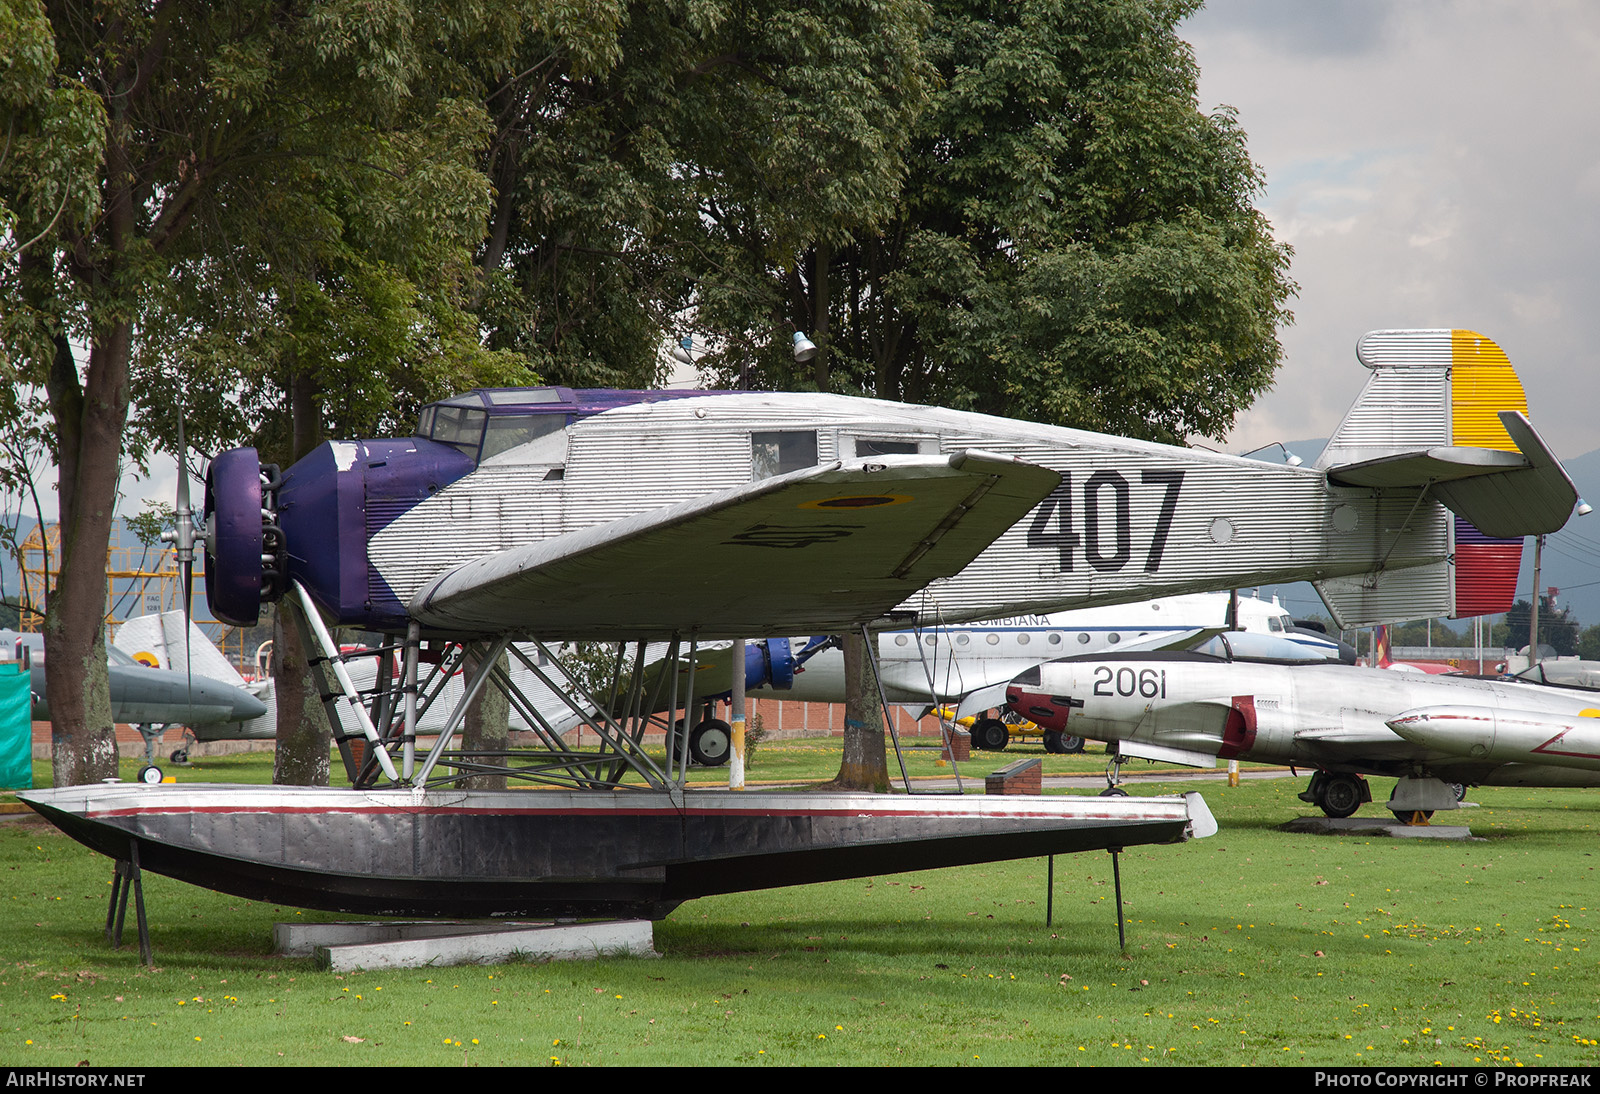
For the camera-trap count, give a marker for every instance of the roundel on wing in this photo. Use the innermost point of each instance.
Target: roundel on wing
(856, 501)
(147, 659)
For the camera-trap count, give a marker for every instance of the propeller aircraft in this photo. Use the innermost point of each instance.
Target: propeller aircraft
(549, 514)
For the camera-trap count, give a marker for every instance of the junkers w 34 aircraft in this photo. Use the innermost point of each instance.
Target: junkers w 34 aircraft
(552, 514)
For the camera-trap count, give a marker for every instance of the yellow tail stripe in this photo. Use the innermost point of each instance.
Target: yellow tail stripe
(1482, 383)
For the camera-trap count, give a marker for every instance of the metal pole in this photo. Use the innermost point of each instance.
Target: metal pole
(1116, 876)
(1533, 619)
(1050, 891)
(736, 761)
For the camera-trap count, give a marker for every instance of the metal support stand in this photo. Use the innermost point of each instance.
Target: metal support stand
(127, 878)
(1050, 891)
(1116, 877)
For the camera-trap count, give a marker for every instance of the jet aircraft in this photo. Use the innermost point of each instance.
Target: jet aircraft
(967, 666)
(539, 514)
(170, 641)
(1247, 697)
(152, 699)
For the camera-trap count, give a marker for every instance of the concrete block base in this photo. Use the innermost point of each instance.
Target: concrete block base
(404, 945)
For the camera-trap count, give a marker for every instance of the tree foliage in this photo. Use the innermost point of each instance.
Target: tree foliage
(644, 159)
(1076, 242)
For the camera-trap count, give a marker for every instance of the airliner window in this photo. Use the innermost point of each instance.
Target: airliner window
(875, 446)
(781, 452)
(1274, 623)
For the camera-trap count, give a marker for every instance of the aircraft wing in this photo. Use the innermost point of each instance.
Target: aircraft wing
(804, 553)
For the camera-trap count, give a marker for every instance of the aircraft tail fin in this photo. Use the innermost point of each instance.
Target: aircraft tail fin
(167, 640)
(1381, 658)
(1444, 410)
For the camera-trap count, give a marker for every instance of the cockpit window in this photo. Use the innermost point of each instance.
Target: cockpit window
(506, 432)
(458, 426)
(1274, 623)
(778, 453)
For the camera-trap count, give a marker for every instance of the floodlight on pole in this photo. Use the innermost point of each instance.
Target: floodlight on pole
(1288, 457)
(804, 348)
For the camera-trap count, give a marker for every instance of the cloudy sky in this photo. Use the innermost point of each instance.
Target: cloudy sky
(1434, 163)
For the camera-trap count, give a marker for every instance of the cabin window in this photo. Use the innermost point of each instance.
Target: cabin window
(883, 446)
(1022, 639)
(780, 452)
(992, 639)
(900, 640)
(1083, 637)
(1055, 640)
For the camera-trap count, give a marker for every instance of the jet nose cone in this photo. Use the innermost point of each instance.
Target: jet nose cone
(247, 706)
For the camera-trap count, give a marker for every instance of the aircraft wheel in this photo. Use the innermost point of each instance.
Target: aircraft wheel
(1070, 745)
(991, 733)
(1113, 792)
(711, 743)
(180, 755)
(1459, 790)
(1341, 796)
(150, 774)
(1052, 742)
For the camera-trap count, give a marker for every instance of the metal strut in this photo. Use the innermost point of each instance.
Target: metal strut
(127, 878)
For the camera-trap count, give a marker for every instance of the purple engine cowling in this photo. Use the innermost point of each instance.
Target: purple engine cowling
(326, 508)
(234, 538)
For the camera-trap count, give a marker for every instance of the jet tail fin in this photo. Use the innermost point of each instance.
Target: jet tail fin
(169, 641)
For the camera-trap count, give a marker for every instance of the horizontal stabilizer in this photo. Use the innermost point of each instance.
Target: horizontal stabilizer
(1527, 501)
(810, 552)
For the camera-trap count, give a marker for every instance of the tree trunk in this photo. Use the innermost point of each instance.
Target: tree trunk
(865, 765)
(304, 734)
(488, 725)
(90, 420)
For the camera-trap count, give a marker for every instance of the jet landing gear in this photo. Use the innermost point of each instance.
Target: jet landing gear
(1114, 778)
(1062, 744)
(1337, 795)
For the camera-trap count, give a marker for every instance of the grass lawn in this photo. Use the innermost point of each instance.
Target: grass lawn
(1253, 947)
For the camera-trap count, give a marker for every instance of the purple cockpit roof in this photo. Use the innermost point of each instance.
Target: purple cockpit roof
(579, 402)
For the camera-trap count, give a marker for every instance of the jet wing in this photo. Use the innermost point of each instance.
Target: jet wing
(804, 553)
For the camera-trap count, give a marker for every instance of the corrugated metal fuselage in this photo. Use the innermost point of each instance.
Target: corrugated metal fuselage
(1130, 519)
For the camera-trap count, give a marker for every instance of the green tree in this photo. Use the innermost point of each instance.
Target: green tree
(183, 111)
(646, 158)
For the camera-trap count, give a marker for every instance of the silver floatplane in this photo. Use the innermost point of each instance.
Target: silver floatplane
(545, 515)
